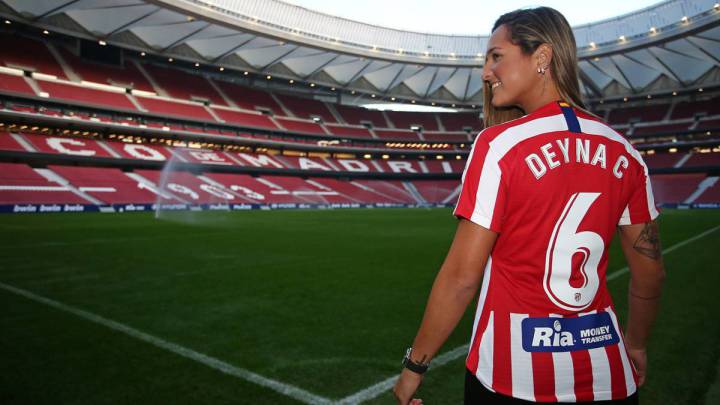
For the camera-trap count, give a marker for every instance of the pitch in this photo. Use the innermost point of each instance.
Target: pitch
(324, 302)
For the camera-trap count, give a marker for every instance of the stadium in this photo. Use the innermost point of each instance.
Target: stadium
(214, 201)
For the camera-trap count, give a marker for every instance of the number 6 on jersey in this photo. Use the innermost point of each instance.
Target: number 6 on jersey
(565, 243)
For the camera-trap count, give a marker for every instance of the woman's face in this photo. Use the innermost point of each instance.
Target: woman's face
(512, 75)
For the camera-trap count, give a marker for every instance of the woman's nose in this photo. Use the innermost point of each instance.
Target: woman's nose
(486, 73)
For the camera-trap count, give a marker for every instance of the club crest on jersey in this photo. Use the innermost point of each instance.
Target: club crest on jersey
(568, 334)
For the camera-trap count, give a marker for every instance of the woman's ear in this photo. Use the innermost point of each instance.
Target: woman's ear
(543, 56)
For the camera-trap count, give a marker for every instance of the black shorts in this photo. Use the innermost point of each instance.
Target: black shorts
(476, 393)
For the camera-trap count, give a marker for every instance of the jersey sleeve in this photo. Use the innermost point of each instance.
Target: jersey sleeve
(640, 207)
(482, 194)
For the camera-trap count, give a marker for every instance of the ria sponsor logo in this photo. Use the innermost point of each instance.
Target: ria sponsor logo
(568, 334)
(552, 337)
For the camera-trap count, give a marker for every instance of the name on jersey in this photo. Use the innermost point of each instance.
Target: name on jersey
(568, 334)
(554, 154)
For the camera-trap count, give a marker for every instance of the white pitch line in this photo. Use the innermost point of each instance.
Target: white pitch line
(219, 365)
(376, 390)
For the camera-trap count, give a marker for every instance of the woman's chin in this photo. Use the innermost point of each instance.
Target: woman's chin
(498, 102)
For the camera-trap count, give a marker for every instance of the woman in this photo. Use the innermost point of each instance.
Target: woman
(546, 186)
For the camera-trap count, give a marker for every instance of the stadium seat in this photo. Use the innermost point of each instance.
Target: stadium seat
(7, 142)
(182, 85)
(703, 160)
(688, 109)
(248, 98)
(110, 186)
(300, 126)
(127, 76)
(460, 121)
(661, 129)
(175, 108)
(307, 108)
(438, 191)
(358, 116)
(15, 84)
(20, 184)
(245, 119)
(674, 188)
(397, 135)
(406, 120)
(662, 160)
(86, 95)
(29, 54)
(643, 114)
(357, 132)
(81, 147)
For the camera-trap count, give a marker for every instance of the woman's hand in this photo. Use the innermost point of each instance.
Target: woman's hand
(406, 386)
(639, 360)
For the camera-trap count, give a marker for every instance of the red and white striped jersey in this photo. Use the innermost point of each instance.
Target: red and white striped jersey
(554, 184)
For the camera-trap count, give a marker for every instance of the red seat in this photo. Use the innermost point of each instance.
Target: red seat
(86, 95)
(175, 109)
(25, 53)
(15, 84)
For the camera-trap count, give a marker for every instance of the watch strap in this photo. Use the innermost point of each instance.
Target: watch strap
(409, 364)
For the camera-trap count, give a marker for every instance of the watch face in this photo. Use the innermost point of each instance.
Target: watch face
(411, 365)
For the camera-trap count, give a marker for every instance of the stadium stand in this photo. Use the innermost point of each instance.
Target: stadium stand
(689, 109)
(192, 103)
(660, 129)
(110, 186)
(182, 85)
(89, 96)
(306, 108)
(247, 119)
(445, 137)
(359, 116)
(20, 184)
(703, 160)
(248, 98)
(342, 130)
(397, 135)
(175, 108)
(30, 55)
(675, 188)
(643, 114)
(126, 76)
(711, 195)
(662, 160)
(461, 121)
(709, 124)
(404, 120)
(300, 126)
(15, 84)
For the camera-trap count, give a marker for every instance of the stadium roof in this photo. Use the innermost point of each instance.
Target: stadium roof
(674, 45)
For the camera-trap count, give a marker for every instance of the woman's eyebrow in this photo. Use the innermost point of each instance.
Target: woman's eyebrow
(489, 51)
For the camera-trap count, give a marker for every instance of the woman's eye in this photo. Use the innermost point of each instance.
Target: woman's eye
(496, 56)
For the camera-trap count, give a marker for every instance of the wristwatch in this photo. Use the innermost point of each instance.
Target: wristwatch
(418, 368)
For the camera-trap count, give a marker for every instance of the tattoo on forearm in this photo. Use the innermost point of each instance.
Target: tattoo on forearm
(648, 243)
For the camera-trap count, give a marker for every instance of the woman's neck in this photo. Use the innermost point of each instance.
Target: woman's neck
(546, 96)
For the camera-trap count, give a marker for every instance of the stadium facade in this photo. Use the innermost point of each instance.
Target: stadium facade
(256, 104)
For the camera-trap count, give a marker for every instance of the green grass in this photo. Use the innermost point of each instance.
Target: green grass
(324, 300)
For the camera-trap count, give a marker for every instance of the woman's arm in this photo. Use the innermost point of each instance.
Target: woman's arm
(455, 286)
(641, 246)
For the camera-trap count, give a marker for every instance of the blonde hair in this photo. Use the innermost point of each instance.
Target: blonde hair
(530, 28)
